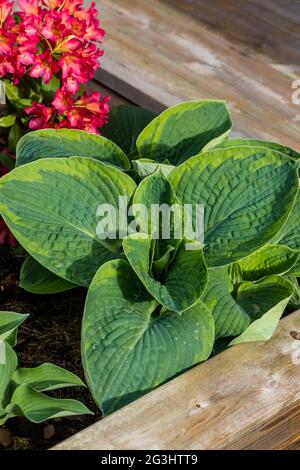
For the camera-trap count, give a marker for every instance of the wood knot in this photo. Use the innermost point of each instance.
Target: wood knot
(295, 334)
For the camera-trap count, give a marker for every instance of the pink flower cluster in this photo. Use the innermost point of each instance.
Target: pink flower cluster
(55, 39)
(89, 112)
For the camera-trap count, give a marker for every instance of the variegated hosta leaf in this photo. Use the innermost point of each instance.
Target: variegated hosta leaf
(155, 191)
(265, 302)
(46, 377)
(8, 364)
(129, 348)
(125, 125)
(51, 143)
(289, 235)
(9, 322)
(294, 302)
(185, 130)
(248, 193)
(259, 143)
(256, 298)
(36, 279)
(38, 407)
(230, 319)
(146, 167)
(186, 277)
(295, 270)
(271, 259)
(50, 206)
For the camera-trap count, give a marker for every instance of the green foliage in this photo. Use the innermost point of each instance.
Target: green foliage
(53, 212)
(53, 143)
(185, 130)
(7, 121)
(140, 345)
(36, 279)
(288, 152)
(21, 389)
(156, 304)
(265, 302)
(125, 125)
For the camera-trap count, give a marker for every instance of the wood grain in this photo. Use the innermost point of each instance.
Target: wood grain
(263, 27)
(247, 397)
(159, 53)
(115, 98)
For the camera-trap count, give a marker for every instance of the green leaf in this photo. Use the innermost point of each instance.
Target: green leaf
(265, 300)
(12, 91)
(12, 339)
(49, 89)
(186, 278)
(248, 193)
(46, 377)
(128, 347)
(185, 130)
(9, 322)
(3, 417)
(271, 259)
(7, 161)
(259, 143)
(160, 265)
(295, 270)
(14, 136)
(289, 235)
(38, 407)
(52, 143)
(153, 193)
(294, 302)
(230, 319)
(146, 167)
(8, 364)
(36, 279)
(24, 103)
(258, 297)
(125, 125)
(50, 206)
(7, 121)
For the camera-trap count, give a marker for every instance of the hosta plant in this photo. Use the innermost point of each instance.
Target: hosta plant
(158, 303)
(22, 389)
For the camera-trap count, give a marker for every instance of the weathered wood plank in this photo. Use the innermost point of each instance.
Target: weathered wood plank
(247, 397)
(157, 56)
(115, 100)
(268, 27)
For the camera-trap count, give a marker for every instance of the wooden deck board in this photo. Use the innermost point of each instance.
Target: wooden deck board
(248, 397)
(263, 27)
(158, 54)
(115, 99)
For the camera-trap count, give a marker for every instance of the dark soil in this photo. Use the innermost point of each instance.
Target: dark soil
(50, 334)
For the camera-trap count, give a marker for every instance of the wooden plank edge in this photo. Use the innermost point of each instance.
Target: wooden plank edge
(123, 88)
(246, 397)
(109, 78)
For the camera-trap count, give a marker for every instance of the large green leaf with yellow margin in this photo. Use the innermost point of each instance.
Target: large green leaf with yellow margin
(129, 345)
(248, 194)
(50, 206)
